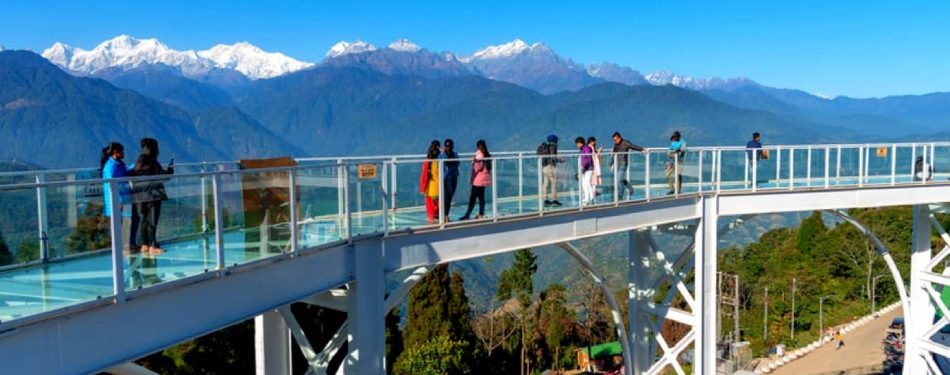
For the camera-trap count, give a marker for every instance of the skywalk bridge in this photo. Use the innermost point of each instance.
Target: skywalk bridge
(243, 243)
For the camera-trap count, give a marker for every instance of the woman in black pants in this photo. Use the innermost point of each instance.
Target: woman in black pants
(481, 179)
(150, 194)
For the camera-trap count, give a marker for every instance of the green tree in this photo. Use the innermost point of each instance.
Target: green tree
(519, 280)
(91, 233)
(438, 356)
(394, 345)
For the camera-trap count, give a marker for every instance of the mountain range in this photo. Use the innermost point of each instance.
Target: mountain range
(364, 100)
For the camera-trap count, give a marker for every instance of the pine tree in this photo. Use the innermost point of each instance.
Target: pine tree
(394, 345)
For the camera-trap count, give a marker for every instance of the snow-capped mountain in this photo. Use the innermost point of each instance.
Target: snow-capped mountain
(535, 66)
(127, 53)
(616, 73)
(402, 57)
(664, 77)
(252, 61)
(345, 48)
(404, 45)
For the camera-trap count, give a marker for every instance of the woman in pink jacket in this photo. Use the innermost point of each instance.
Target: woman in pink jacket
(481, 178)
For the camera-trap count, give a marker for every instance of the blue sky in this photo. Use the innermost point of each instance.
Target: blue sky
(854, 48)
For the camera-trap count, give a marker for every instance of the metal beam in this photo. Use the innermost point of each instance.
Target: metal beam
(299, 336)
(920, 316)
(271, 344)
(705, 285)
(411, 249)
(815, 199)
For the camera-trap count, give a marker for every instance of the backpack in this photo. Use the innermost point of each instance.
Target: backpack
(544, 149)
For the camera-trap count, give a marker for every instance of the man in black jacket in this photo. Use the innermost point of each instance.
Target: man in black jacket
(621, 148)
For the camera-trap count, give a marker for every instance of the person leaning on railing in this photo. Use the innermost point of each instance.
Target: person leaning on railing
(677, 156)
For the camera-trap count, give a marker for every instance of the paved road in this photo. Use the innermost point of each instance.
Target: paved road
(862, 348)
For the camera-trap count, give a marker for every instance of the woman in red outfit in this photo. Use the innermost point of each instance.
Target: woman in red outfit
(429, 181)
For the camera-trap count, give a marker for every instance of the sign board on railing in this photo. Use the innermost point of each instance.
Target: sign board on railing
(882, 152)
(366, 171)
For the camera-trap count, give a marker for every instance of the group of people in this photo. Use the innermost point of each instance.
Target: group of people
(432, 179)
(141, 200)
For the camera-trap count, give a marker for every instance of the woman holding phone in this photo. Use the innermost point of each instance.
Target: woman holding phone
(150, 194)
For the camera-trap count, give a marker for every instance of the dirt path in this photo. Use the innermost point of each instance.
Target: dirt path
(862, 348)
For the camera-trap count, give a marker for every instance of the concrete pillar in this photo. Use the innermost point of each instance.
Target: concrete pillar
(705, 291)
(921, 314)
(367, 347)
(638, 288)
(271, 344)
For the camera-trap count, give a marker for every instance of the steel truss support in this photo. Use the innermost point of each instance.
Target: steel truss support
(925, 346)
(609, 297)
(647, 317)
(322, 360)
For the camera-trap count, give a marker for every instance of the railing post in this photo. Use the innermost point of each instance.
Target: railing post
(913, 161)
(676, 174)
(392, 185)
(541, 191)
(893, 165)
(616, 168)
(42, 218)
(294, 230)
(791, 168)
(827, 163)
(838, 167)
(580, 183)
(700, 171)
(340, 186)
(755, 164)
(861, 166)
(745, 173)
(115, 230)
(347, 215)
(924, 167)
(386, 191)
(204, 198)
(520, 181)
(218, 221)
(494, 190)
(441, 202)
(808, 168)
(646, 179)
(718, 170)
(778, 166)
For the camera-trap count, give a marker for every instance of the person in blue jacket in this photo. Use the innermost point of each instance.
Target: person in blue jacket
(112, 166)
(450, 174)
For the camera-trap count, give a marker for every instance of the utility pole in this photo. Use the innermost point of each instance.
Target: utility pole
(765, 318)
(793, 308)
(874, 294)
(735, 314)
(821, 321)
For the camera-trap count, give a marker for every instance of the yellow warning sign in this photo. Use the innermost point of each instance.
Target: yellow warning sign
(882, 152)
(366, 171)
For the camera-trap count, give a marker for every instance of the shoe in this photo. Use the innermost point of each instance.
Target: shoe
(155, 250)
(479, 217)
(463, 218)
(556, 203)
(547, 202)
(670, 192)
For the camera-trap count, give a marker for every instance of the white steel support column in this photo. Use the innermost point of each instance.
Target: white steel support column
(367, 349)
(705, 289)
(271, 344)
(639, 300)
(921, 314)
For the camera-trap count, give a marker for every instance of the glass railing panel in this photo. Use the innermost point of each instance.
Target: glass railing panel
(509, 182)
(633, 178)
(27, 285)
(320, 205)
(410, 209)
(734, 170)
(878, 160)
(529, 188)
(367, 197)
(941, 163)
(848, 166)
(255, 215)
